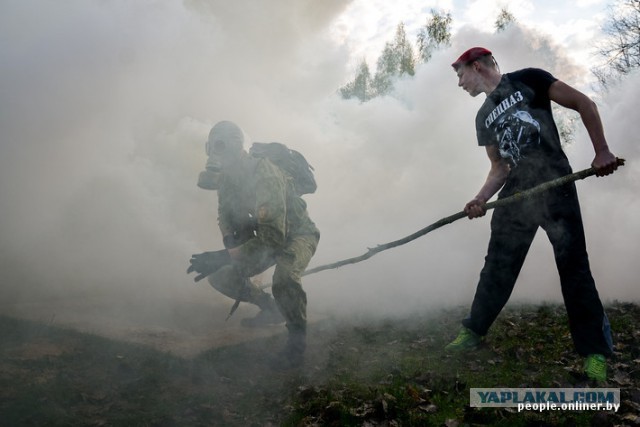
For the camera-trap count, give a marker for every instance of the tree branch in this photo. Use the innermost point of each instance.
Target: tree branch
(527, 194)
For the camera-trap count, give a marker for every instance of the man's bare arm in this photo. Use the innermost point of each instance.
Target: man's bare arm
(604, 161)
(495, 180)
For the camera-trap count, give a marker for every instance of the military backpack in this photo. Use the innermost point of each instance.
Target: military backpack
(290, 161)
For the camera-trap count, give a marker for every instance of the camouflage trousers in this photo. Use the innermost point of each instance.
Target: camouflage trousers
(233, 281)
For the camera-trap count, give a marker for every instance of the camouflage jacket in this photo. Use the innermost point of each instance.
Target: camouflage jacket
(263, 201)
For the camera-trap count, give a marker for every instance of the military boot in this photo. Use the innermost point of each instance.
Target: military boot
(292, 356)
(269, 313)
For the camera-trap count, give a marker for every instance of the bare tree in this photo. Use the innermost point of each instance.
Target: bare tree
(621, 48)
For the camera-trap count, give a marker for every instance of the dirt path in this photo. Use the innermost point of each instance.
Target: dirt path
(184, 328)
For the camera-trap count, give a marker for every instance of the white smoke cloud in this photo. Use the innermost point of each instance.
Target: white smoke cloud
(422, 163)
(106, 106)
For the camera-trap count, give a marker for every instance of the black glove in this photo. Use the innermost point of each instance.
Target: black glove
(207, 263)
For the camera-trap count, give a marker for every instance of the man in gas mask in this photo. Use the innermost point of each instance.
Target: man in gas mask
(264, 222)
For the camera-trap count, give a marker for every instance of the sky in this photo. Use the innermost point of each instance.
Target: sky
(105, 107)
(572, 24)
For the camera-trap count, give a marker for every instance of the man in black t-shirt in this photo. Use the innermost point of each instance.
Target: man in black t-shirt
(516, 126)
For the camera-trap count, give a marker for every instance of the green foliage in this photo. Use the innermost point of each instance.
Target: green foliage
(386, 69)
(435, 34)
(397, 59)
(504, 19)
(361, 86)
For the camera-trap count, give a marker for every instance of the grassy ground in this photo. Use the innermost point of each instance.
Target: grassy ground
(362, 373)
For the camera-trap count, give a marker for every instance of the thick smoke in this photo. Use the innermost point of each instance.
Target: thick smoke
(420, 162)
(106, 107)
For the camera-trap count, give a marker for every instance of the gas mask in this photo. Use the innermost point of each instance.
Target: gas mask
(223, 149)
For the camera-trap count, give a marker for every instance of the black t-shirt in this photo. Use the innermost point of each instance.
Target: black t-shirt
(517, 118)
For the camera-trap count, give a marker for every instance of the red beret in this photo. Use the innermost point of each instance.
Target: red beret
(470, 56)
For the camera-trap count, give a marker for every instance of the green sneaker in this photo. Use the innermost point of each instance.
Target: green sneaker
(466, 340)
(596, 367)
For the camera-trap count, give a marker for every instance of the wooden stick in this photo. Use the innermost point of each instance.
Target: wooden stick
(448, 220)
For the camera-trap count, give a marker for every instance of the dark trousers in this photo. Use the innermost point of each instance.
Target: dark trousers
(513, 228)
